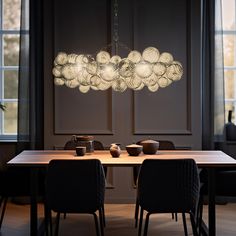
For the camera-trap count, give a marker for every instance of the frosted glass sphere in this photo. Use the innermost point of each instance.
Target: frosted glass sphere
(151, 54)
(84, 78)
(153, 88)
(79, 59)
(115, 59)
(104, 85)
(159, 68)
(95, 80)
(108, 72)
(84, 89)
(72, 83)
(126, 68)
(166, 58)
(69, 71)
(119, 85)
(72, 58)
(92, 67)
(59, 81)
(151, 80)
(143, 69)
(163, 82)
(140, 87)
(174, 72)
(103, 57)
(57, 71)
(133, 82)
(135, 56)
(61, 58)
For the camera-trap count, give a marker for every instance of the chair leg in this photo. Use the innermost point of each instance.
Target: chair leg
(136, 213)
(146, 224)
(140, 222)
(101, 219)
(193, 223)
(199, 215)
(96, 223)
(176, 217)
(3, 210)
(185, 224)
(46, 219)
(57, 224)
(103, 216)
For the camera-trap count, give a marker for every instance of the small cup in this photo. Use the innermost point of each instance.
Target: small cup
(80, 151)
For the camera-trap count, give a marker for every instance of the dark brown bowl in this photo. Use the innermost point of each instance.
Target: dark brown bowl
(134, 149)
(150, 146)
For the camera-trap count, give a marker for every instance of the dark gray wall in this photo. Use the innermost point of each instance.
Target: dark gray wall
(172, 113)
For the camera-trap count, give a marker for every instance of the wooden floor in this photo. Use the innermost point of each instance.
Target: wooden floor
(120, 222)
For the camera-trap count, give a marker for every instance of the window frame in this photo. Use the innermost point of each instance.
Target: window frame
(5, 136)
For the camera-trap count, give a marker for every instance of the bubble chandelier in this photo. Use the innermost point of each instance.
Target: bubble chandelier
(150, 68)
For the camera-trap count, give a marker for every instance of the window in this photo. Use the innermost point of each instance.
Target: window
(9, 65)
(229, 46)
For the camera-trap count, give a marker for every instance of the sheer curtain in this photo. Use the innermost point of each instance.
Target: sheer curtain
(30, 93)
(213, 75)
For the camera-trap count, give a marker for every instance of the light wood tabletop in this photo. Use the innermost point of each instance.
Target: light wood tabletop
(202, 158)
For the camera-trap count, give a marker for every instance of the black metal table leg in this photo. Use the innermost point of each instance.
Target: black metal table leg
(33, 202)
(211, 203)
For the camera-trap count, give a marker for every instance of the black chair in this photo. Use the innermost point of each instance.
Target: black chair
(15, 183)
(166, 186)
(80, 189)
(163, 145)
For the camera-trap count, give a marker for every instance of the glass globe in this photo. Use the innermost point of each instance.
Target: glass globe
(153, 88)
(133, 82)
(72, 58)
(84, 89)
(143, 69)
(57, 71)
(59, 81)
(159, 68)
(119, 85)
(163, 82)
(92, 67)
(166, 58)
(151, 54)
(103, 57)
(68, 71)
(108, 72)
(115, 59)
(95, 80)
(151, 80)
(174, 72)
(61, 58)
(104, 85)
(141, 86)
(135, 56)
(72, 83)
(126, 68)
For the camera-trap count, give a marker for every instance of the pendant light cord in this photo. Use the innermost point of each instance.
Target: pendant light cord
(115, 26)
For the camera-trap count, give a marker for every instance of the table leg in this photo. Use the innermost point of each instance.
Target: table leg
(211, 202)
(33, 202)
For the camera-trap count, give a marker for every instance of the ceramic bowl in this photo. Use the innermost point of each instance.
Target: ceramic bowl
(150, 146)
(134, 149)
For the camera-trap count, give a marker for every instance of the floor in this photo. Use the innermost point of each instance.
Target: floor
(119, 218)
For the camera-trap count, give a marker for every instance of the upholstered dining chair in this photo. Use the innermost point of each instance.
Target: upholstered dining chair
(163, 145)
(15, 183)
(166, 186)
(80, 189)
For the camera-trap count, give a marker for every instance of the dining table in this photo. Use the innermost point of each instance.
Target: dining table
(210, 160)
